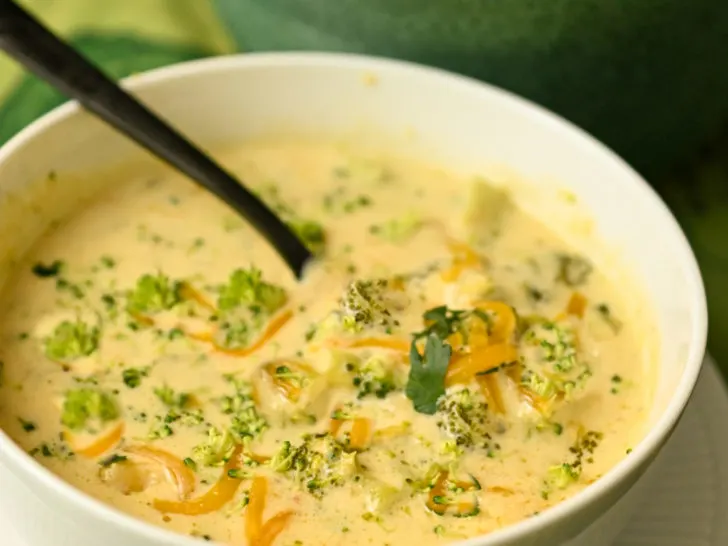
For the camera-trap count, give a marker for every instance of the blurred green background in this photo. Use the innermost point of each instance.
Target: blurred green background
(644, 75)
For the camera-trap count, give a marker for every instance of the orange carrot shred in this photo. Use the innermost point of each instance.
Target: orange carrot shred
(464, 367)
(278, 322)
(215, 498)
(361, 432)
(576, 305)
(188, 292)
(505, 323)
(382, 343)
(491, 389)
(273, 528)
(101, 445)
(254, 510)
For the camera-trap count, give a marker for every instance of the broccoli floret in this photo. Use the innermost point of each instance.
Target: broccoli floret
(365, 305)
(246, 422)
(463, 416)
(311, 233)
(375, 377)
(552, 365)
(318, 463)
(246, 288)
(399, 229)
(82, 405)
(562, 476)
(171, 399)
(153, 294)
(216, 449)
(245, 304)
(71, 340)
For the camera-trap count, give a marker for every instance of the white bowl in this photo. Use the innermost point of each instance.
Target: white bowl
(460, 123)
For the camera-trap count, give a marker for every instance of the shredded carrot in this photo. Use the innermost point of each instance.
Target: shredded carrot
(361, 432)
(254, 510)
(576, 305)
(464, 367)
(188, 292)
(464, 257)
(177, 471)
(437, 490)
(207, 337)
(505, 324)
(100, 445)
(491, 390)
(215, 498)
(272, 528)
(278, 322)
(382, 343)
(143, 319)
(498, 490)
(289, 389)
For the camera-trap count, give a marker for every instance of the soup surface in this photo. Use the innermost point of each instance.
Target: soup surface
(447, 367)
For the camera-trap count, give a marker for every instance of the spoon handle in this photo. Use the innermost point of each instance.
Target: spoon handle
(39, 50)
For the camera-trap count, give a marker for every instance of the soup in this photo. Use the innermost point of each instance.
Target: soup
(447, 367)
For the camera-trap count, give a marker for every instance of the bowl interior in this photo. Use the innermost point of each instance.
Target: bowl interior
(462, 125)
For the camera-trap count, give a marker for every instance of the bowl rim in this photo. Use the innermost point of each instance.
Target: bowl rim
(641, 454)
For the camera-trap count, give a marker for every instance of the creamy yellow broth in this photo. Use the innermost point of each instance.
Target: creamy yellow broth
(147, 363)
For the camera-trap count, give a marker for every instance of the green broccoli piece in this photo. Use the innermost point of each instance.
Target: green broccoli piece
(318, 463)
(246, 422)
(171, 399)
(245, 304)
(216, 449)
(71, 340)
(246, 288)
(552, 364)
(400, 229)
(153, 294)
(374, 377)
(463, 416)
(235, 334)
(365, 305)
(311, 233)
(562, 476)
(84, 404)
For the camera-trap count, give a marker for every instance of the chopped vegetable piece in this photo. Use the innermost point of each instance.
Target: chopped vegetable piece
(246, 288)
(246, 422)
(573, 270)
(311, 233)
(85, 404)
(153, 294)
(576, 305)
(463, 416)
(50, 270)
(101, 445)
(465, 367)
(272, 528)
(361, 433)
(216, 497)
(216, 450)
(254, 510)
(398, 230)
(318, 463)
(71, 341)
(176, 469)
(366, 304)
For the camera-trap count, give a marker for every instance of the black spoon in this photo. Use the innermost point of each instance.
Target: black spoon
(24, 38)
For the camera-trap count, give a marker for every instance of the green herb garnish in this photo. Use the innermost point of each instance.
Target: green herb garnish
(426, 381)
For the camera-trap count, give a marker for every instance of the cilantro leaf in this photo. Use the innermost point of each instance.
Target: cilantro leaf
(426, 381)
